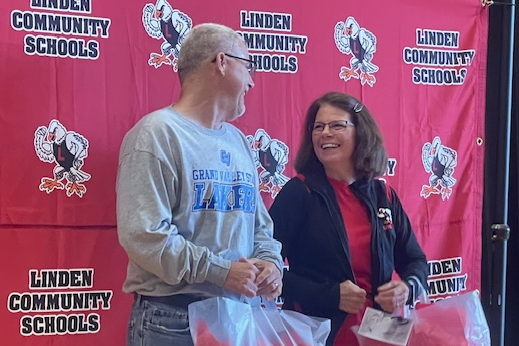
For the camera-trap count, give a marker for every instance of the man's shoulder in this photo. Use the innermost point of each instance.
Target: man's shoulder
(166, 114)
(156, 121)
(151, 128)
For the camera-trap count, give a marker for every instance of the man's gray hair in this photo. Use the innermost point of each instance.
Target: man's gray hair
(203, 42)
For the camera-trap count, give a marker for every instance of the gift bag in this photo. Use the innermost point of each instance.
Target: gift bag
(319, 327)
(221, 322)
(455, 321)
(295, 328)
(225, 322)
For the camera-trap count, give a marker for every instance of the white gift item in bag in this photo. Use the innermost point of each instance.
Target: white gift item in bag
(455, 321)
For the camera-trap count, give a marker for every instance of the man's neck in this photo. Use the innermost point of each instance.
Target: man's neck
(201, 110)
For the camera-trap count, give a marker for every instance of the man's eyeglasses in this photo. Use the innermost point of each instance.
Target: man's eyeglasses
(334, 126)
(251, 65)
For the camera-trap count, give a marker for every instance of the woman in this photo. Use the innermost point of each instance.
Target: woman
(343, 231)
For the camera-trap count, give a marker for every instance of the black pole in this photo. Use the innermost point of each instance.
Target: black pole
(497, 165)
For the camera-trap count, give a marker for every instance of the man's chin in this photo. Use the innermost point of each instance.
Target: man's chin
(238, 114)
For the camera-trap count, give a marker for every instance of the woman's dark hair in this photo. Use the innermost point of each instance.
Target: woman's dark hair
(369, 156)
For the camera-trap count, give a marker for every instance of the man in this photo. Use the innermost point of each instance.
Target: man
(189, 213)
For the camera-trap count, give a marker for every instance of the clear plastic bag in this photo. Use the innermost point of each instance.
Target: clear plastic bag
(224, 322)
(454, 321)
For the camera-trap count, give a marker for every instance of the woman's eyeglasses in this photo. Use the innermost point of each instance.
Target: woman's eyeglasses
(334, 126)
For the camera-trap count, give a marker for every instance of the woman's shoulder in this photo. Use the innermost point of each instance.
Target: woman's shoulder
(293, 197)
(295, 190)
(296, 183)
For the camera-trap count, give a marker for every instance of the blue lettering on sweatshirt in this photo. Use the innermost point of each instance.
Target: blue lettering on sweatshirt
(224, 197)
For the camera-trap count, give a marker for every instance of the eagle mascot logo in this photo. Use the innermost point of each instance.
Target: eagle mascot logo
(361, 44)
(68, 151)
(440, 161)
(171, 26)
(271, 156)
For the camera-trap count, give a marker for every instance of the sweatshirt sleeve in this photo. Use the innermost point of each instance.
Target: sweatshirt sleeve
(265, 246)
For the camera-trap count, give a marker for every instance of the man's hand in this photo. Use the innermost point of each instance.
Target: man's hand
(242, 278)
(392, 295)
(269, 281)
(352, 297)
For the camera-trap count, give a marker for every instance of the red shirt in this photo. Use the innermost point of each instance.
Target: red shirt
(358, 230)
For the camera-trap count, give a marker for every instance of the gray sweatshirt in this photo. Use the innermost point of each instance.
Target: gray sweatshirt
(187, 205)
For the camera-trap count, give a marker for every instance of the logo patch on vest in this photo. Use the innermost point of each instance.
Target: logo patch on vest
(385, 214)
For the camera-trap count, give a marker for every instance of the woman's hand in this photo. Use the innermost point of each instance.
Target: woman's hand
(392, 295)
(352, 297)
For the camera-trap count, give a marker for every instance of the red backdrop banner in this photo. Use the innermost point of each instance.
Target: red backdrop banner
(76, 75)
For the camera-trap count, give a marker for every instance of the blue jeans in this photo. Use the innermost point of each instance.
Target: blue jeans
(153, 324)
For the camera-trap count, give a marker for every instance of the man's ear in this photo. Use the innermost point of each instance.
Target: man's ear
(221, 63)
